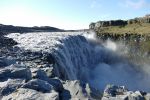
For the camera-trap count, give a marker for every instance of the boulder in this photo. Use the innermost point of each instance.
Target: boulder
(15, 72)
(4, 73)
(113, 92)
(10, 85)
(39, 74)
(73, 90)
(39, 85)
(147, 96)
(21, 73)
(49, 71)
(6, 42)
(29, 94)
(77, 90)
(6, 61)
(57, 84)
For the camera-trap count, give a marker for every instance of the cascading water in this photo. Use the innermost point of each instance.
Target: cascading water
(98, 65)
(80, 58)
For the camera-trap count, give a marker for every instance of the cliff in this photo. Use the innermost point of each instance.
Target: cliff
(123, 29)
(138, 20)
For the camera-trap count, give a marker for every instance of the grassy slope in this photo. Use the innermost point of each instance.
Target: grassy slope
(143, 28)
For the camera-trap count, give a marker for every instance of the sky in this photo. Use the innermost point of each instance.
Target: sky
(69, 14)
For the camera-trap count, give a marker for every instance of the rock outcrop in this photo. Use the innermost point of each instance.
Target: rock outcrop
(145, 19)
(107, 23)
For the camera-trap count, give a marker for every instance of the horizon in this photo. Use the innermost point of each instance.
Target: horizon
(69, 15)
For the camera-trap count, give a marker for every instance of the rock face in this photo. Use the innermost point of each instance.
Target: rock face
(29, 94)
(107, 23)
(145, 19)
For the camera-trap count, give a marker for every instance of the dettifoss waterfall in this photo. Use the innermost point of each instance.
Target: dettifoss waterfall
(80, 56)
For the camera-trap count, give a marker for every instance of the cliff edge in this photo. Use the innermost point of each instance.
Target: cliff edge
(139, 25)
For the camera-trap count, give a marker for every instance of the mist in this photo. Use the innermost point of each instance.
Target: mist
(114, 67)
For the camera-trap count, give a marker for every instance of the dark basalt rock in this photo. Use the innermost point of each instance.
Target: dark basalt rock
(14, 72)
(11, 86)
(7, 42)
(49, 58)
(39, 85)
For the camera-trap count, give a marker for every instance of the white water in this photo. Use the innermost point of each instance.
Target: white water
(84, 59)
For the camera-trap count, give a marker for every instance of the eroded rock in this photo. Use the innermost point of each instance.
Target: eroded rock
(10, 85)
(39, 85)
(113, 92)
(29, 94)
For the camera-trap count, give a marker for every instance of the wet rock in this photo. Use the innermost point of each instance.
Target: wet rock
(115, 98)
(57, 84)
(21, 73)
(6, 61)
(113, 92)
(48, 58)
(5, 73)
(93, 93)
(39, 85)
(147, 96)
(6, 42)
(29, 94)
(10, 85)
(39, 74)
(2, 63)
(76, 90)
(15, 72)
(49, 71)
(134, 95)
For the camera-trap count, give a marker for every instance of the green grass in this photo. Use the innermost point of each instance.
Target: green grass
(137, 28)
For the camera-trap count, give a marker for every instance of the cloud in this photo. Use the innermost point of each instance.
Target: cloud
(135, 4)
(95, 4)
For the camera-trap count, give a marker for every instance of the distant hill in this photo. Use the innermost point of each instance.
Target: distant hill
(139, 25)
(4, 29)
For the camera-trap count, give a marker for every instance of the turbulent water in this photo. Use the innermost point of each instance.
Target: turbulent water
(81, 56)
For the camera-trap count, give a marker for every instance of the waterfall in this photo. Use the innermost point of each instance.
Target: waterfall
(79, 58)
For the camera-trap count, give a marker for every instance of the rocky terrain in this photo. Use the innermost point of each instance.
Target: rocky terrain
(46, 66)
(29, 73)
